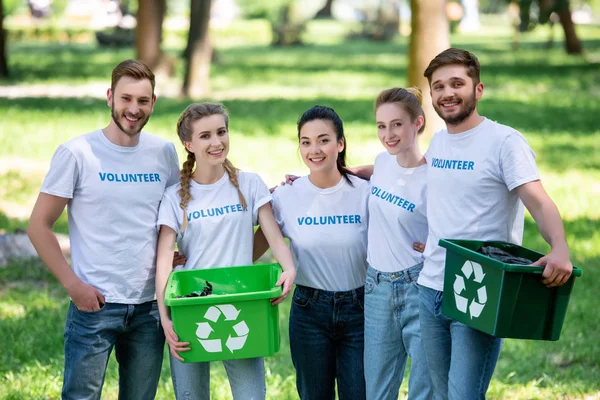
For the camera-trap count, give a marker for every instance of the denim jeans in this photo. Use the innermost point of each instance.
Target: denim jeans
(393, 332)
(134, 331)
(327, 343)
(461, 359)
(191, 381)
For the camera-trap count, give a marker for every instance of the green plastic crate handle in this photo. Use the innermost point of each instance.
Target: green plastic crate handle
(535, 269)
(471, 254)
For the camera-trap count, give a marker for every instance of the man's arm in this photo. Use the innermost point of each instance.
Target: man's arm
(544, 212)
(46, 211)
(362, 171)
(260, 245)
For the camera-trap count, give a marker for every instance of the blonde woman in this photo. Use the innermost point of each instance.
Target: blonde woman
(211, 213)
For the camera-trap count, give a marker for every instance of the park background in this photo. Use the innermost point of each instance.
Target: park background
(268, 61)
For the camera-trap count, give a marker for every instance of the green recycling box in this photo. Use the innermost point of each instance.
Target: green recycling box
(236, 321)
(504, 300)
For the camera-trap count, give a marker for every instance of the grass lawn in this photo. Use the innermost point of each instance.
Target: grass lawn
(550, 97)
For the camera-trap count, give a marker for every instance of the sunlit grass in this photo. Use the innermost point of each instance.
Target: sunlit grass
(548, 96)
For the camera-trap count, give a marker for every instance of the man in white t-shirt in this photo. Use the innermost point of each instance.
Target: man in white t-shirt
(112, 181)
(480, 173)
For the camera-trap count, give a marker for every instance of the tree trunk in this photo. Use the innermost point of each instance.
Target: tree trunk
(572, 42)
(196, 83)
(148, 33)
(3, 60)
(325, 12)
(429, 36)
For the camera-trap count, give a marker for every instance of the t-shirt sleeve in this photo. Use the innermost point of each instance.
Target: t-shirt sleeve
(63, 177)
(377, 163)
(169, 213)
(173, 165)
(260, 196)
(517, 162)
(276, 203)
(431, 148)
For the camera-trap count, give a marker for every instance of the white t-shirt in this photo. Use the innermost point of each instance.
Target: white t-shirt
(470, 182)
(327, 229)
(397, 214)
(114, 194)
(220, 232)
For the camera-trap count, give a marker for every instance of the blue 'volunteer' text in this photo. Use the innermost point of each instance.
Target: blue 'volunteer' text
(453, 164)
(110, 177)
(330, 220)
(215, 211)
(392, 198)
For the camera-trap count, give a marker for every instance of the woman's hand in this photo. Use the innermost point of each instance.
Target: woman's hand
(175, 346)
(286, 280)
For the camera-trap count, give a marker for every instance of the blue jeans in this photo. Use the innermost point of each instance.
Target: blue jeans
(392, 332)
(461, 359)
(327, 343)
(134, 331)
(191, 381)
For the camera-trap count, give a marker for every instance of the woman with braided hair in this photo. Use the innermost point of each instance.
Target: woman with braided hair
(211, 213)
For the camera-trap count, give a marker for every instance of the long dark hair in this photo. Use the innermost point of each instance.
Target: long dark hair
(328, 114)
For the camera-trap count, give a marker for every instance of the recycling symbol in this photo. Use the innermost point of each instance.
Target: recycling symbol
(213, 314)
(470, 269)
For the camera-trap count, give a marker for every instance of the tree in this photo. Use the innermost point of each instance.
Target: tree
(148, 35)
(325, 12)
(3, 60)
(561, 8)
(572, 42)
(429, 36)
(198, 52)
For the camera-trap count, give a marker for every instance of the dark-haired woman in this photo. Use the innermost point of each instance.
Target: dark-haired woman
(325, 216)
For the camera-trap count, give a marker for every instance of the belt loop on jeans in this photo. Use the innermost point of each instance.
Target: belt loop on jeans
(354, 296)
(377, 273)
(315, 294)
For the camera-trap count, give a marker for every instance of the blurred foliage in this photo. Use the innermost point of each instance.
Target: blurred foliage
(268, 9)
(548, 96)
(12, 7)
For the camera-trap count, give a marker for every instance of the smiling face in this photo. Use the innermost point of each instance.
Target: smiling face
(131, 103)
(454, 94)
(395, 128)
(319, 146)
(209, 140)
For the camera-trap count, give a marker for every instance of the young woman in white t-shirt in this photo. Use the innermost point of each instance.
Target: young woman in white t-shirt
(325, 216)
(397, 229)
(211, 214)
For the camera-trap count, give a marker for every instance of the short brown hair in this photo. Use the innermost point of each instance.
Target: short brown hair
(454, 56)
(410, 99)
(133, 68)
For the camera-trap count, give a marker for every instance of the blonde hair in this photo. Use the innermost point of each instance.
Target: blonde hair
(410, 99)
(192, 113)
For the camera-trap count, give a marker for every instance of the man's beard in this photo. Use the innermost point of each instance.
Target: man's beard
(468, 108)
(128, 132)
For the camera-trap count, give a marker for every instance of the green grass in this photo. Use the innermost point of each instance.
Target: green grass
(550, 97)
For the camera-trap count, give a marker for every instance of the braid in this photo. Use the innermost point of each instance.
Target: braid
(232, 171)
(184, 192)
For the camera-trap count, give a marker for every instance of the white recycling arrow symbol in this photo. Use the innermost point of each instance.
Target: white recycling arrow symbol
(213, 314)
(470, 268)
